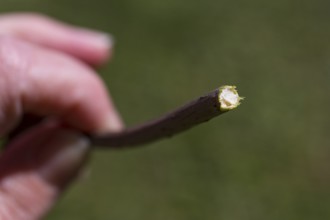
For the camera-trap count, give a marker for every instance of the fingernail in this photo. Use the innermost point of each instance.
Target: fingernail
(104, 39)
(63, 157)
(99, 39)
(112, 124)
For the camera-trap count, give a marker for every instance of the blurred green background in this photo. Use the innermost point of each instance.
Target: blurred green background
(269, 159)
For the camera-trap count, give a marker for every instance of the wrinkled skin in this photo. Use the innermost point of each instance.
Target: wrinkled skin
(46, 70)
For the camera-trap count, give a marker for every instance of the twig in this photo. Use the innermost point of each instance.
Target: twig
(195, 112)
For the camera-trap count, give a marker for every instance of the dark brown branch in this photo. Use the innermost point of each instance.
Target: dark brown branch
(185, 117)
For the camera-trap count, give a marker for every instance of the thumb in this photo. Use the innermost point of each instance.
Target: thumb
(36, 168)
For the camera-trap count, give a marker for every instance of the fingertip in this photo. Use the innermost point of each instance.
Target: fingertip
(92, 46)
(112, 123)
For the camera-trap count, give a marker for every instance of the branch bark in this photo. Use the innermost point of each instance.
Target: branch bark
(193, 113)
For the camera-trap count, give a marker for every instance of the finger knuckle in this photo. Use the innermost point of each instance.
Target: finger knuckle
(12, 58)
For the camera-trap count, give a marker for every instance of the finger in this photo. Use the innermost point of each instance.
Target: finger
(45, 82)
(36, 168)
(90, 46)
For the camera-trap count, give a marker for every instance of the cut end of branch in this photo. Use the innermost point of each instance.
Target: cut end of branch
(229, 98)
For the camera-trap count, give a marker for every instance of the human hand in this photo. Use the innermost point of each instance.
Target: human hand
(45, 71)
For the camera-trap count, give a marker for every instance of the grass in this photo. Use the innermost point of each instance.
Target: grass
(272, 158)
